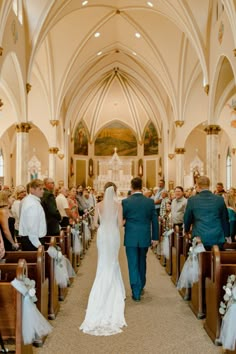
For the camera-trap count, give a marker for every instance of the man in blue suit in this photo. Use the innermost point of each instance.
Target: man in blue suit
(141, 230)
(208, 215)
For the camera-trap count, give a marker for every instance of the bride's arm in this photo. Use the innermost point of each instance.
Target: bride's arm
(96, 216)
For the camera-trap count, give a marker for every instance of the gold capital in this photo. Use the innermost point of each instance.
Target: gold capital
(206, 88)
(180, 150)
(53, 150)
(54, 122)
(179, 123)
(1, 103)
(234, 151)
(23, 127)
(1, 51)
(234, 51)
(28, 87)
(212, 129)
(171, 156)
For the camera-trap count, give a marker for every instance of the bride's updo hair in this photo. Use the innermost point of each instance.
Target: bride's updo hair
(110, 184)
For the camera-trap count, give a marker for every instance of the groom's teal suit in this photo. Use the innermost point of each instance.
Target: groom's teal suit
(141, 226)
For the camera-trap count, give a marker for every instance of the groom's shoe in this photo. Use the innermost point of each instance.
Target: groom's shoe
(136, 299)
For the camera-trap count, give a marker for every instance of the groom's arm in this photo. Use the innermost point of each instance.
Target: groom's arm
(155, 228)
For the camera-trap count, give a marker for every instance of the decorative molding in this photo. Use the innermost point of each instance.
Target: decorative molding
(171, 156)
(1, 51)
(54, 122)
(28, 87)
(53, 150)
(207, 88)
(23, 127)
(234, 51)
(60, 154)
(1, 104)
(180, 150)
(90, 168)
(233, 151)
(212, 129)
(179, 123)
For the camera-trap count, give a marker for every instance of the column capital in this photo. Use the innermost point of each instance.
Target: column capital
(1, 51)
(1, 103)
(54, 122)
(180, 150)
(171, 156)
(179, 123)
(206, 88)
(23, 127)
(53, 150)
(234, 151)
(234, 51)
(28, 87)
(212, 129)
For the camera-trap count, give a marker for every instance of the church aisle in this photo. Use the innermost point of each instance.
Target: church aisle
(161, 323)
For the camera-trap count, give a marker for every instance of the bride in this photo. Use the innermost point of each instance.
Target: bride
(106, 304)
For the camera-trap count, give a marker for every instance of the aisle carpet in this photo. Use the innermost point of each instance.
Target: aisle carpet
(161, 323)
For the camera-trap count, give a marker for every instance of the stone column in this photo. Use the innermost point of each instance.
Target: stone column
(212, 167)
(22, 153)
(233, 155)
(52, 162)
(179, 160)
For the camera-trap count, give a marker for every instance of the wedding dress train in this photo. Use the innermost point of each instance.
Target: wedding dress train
(106, 304)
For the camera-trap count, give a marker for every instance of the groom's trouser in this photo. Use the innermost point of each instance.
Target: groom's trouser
(136, 257)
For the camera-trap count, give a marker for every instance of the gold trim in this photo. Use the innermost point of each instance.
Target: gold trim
(53, 150)
(179, 123)
(171, 156)
(23, 127)
(54, 122)
(234, 151)
(1, 103)
(207, 88)
(180, 150)
(1, 51)
(212, 129)
(234, 51)
(60, 155)
(28, 87)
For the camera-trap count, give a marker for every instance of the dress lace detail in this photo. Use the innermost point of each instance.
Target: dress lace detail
(105, 310)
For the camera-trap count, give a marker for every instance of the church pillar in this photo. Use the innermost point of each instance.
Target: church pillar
(22, 153)
(233, 155)
(52, 162)
(212, 153)
(179, 160)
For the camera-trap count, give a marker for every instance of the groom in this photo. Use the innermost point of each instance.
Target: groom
(141, 230)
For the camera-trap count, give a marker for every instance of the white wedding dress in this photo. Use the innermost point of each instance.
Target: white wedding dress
(106, 304)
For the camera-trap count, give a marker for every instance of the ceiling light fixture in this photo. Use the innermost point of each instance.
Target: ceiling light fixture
(149, 3)
(99, 53)
(137, 35)
(134, 53)
(97, 34)
(84, 2)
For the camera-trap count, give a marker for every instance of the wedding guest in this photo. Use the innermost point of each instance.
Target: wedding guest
(230, 201)
(32, 226)
(52, 214)
(165, 199)
(219, 189)
(7, 233)
(20, 194)
(63, 206)
(178, 207)
(73, 205)
(157, 197)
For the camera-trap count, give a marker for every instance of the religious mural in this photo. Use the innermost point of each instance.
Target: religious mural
(81, 140)
(150, 140)
(116, 135)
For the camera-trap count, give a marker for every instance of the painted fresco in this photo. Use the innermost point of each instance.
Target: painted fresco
(81, 140)
(150, 140)
(116, 135)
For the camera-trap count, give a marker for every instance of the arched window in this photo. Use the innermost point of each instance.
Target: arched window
(228, 170)
(1, 164)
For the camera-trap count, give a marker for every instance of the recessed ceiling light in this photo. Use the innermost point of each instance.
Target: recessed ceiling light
(97, 34)
(137, 35)
(99, 53)
(149, 3)
(84, 2)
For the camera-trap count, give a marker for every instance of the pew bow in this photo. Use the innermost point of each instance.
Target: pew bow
(63, 267)
(77, 247)
(34, 325)
(165, 245)
(228, 310)
(87, 232)
(190, 271)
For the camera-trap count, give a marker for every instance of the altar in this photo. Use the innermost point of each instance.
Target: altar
(115, 170)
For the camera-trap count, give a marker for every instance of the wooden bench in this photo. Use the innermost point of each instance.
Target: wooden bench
(177, 249)
(11, 307)
(223, 264)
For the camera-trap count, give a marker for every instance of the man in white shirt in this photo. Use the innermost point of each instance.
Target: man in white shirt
(63, 206)
(32, 226)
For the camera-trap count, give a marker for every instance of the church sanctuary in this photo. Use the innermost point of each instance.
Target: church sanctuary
(93, 91)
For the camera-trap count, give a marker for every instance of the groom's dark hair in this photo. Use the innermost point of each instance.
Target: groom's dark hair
(136, 183)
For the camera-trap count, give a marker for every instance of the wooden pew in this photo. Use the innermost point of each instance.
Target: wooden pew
(11, 308)
(177, 249)
(185, 293)
(223, 264)
(36, 270)
(169, 261)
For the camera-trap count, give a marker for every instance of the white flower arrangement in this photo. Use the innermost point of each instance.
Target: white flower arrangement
(230, 294)
(30, 285)
(59, 256)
